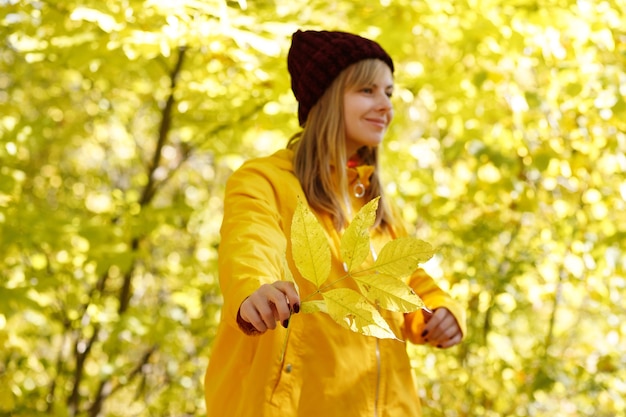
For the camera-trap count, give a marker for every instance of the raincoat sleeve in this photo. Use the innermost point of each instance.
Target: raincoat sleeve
(434, 297)
(253, 243)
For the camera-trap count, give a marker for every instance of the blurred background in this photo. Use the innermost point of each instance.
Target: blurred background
(121, 120)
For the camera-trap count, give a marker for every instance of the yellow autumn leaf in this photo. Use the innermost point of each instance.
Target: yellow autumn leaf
(389, 292)
(313, 306)
(309, 246)
(355, 242)
(401, 257)
(352, 311)
(288, 276)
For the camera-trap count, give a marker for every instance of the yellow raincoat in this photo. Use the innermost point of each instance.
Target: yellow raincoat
(327, 370)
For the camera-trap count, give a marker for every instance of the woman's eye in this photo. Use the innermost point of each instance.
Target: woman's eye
(367, 90)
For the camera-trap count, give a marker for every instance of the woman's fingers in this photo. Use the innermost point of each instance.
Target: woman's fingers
(249, 313)
(286, 301)
(269, 304)
(291, 294)
(442, 325)
(455, 340)
(442, 329)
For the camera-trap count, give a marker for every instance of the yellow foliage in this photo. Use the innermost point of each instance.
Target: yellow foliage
(351, 310)
(309, 245)
(401, 256)
(381, 286)
(388, 292)
(355, 242)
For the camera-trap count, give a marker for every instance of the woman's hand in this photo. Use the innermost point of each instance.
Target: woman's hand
(269, 304)
(442, 329)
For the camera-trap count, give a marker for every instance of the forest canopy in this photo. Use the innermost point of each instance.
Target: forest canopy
(121, 120)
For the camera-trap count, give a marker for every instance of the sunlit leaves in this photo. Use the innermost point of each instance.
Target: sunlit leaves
(351, 310)
(381, 285)
(355, 242)
(313, 306)
(401, 256)
(388, 292)
(7, 398)
(515, 201)
(310, 249)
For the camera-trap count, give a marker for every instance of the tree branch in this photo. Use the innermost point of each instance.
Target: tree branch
(164, 128)
(81, 355)
(106, 388)
(59, 371)
(150, 188)
(126, 288)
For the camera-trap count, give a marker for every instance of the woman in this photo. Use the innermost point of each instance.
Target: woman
(343, 84)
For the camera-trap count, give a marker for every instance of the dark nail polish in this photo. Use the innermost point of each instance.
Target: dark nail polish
(439, 346)
(424, 333)
(296, 308)
(285, 323)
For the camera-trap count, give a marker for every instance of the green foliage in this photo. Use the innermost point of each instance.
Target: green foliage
(380, 284)
(120, 121)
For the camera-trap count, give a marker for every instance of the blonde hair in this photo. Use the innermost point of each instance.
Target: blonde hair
(320, 151)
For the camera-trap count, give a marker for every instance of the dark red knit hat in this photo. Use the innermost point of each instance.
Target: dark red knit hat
(316, 58)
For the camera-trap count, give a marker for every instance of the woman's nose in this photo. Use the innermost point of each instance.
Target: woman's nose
(384, 103)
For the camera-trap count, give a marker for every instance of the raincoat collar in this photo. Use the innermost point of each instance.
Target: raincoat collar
(357, 172)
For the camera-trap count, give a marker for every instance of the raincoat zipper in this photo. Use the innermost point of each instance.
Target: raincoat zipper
(378, 361)
(377, 378)
(378, 364)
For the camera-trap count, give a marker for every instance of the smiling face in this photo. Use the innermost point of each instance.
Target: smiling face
(368, 110)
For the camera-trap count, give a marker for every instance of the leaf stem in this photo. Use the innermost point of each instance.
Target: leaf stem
(330, 284)
(284, 349)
